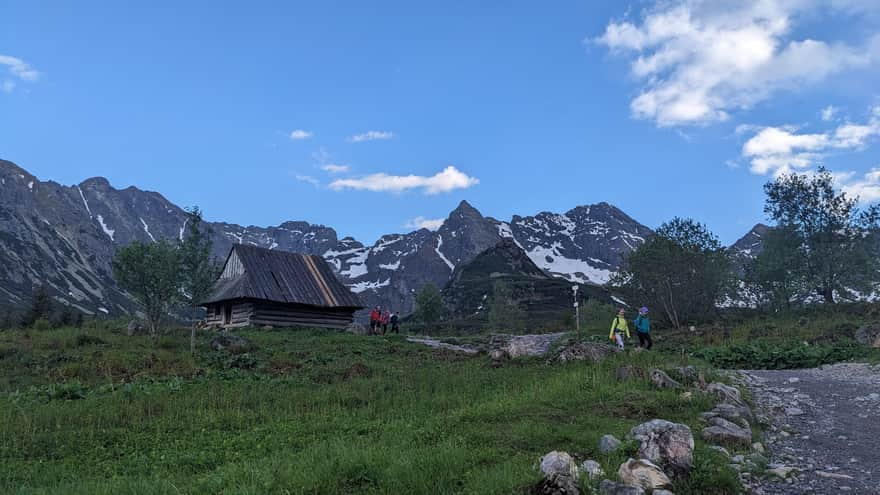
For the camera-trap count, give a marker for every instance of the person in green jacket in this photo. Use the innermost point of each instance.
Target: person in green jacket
(619, 328)
(643, 329)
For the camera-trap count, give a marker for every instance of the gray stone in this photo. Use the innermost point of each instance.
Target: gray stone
(671, 445)
(558, 463)
(608, 444)
(643, 473)
(232, 343)
(868, 334)
(661, 380)
(608, 487)
(593, 469)
(727, 394)
(135, 327)
(557, 485)
(724, 432)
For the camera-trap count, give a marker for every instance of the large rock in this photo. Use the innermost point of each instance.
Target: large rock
(722, 431)
(557, 485)
(558, 463)
(868, 334)
(671, 445)
(643, 473)
(592, 469)
(727, 394)
(608, 444)
(661, 380)
(740, 415)
(584, 351)
(608, 487)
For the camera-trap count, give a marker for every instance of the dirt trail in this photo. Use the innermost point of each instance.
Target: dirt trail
(825, 423)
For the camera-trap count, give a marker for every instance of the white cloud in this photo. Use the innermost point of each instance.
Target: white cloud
(697, 60)
(308, 179)
(300, 135)
(867, 189)
(371, 136)
(334, 168)
(829, 112)
(782, 149)
(19, 68)
(424, 223)
(447, 180)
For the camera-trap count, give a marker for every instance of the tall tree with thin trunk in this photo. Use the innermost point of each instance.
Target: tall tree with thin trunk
(837, 240)
(198, 269)
(151, 274)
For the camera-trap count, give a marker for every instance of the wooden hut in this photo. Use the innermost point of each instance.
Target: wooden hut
(262, 287)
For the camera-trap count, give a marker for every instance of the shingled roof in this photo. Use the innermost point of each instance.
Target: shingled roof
(281, 277)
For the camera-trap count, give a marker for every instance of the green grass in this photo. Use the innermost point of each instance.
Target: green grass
(94, 411)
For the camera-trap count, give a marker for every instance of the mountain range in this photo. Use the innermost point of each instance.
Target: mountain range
(66, 236)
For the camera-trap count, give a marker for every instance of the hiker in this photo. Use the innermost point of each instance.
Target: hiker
(619, 328)
(395, 322)
(375, 316)
(384, 321)
(643, 329)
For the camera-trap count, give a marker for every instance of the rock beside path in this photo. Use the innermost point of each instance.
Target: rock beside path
(670, 445)
(723, 432)
(643, 473)
(608, 487)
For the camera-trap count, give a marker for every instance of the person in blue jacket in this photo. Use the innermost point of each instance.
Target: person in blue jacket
(643, 329)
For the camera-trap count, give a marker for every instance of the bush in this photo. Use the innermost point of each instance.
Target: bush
(762, 355)
(42, 325)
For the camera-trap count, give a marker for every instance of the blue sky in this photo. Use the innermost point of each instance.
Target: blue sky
(679, 107)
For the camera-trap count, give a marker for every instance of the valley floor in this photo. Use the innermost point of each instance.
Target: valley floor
(824, 425)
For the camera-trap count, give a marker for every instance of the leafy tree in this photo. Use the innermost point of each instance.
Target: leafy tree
(151, 273)
(41, 306)
(198, 270)
(504, 311)
(774, 278)
(429, 306)
(837, 244)
(682, 270)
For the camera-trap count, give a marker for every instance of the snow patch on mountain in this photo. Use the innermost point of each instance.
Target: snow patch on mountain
(440, 254)
(359, 287)
(550, 260)
(147, 230)
(110, 232)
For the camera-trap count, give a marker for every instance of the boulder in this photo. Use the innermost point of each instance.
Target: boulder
(741, 416)
(498, 355)
(688, 373)
(593, 469)
(644, 474)
(584, 351)
(232, 343)
(558, 463)
(608, 487)
(661, 380)
(868, 334)
(135, 327)
(557, 485)
(722, 431)
(671, 445)
(727, 394)
(608, 444)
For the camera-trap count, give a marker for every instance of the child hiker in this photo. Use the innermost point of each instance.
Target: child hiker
(619, 328)
(643, 329)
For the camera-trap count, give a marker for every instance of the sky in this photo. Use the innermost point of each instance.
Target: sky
(379, 117)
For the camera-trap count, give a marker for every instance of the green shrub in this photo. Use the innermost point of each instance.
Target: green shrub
(780, 355)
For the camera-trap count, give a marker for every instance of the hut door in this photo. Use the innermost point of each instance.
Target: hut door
(227, 314)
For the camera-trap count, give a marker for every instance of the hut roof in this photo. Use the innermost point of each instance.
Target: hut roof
(282, 277)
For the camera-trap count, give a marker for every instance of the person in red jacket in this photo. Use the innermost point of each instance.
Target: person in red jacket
(375, 316)
(385, 317)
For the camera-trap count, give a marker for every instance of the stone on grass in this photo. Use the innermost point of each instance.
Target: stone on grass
(759, 447)
(624, 373)
(727, 394)
(671, 445)
(593, 469)
(661, 380)
(135, 327)
(584, 351)
(643, 473)
(557, 485)
(608, 444)
(722, 431)
(558, 463)
(608, 487)
(868, 334)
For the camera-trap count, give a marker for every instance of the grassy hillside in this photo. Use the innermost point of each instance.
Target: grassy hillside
(93, 411)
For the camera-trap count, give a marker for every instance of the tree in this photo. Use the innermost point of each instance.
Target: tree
(151, 273)
(837, 243)
(41, 306)
(429, 306)
(683, 270)
(774, 277)
(198, 270)
(504, 311)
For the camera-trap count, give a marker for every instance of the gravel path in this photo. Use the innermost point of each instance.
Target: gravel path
(825, 423)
